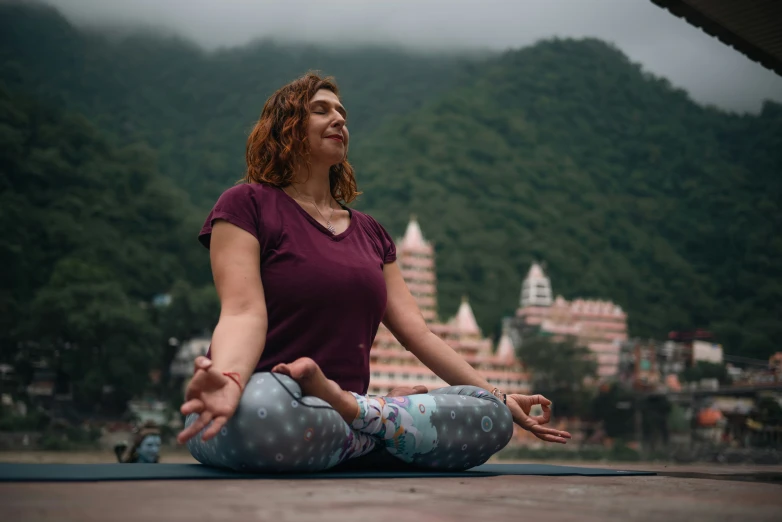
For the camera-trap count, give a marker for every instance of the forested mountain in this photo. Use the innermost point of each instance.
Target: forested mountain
(568, 153)
(563, 152)
(91, 234)
(196, 108)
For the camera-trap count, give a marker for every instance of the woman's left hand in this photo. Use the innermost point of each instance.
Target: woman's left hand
(520, 407)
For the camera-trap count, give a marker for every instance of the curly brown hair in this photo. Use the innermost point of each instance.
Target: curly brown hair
(278, 142)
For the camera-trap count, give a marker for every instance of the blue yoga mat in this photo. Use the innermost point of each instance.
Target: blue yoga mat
(10, 472)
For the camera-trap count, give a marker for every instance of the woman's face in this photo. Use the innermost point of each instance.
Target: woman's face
(327, 131)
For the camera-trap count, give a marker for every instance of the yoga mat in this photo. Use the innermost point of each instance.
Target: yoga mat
(11, 472)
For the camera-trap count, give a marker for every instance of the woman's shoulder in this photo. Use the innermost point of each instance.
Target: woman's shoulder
(242, 205)
(245, 189)
(366, 220)
(246, 194)
(378, 233)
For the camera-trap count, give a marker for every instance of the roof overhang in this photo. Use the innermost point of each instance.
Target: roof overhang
(752, 27)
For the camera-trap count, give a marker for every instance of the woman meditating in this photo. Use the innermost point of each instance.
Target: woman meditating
(304, 283)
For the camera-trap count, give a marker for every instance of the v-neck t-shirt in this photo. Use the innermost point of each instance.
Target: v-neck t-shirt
(325, 294)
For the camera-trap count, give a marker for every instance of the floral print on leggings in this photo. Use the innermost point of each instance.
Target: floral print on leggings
(276, 429)
(404, 434)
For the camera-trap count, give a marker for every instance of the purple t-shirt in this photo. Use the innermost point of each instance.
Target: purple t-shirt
(325, 294)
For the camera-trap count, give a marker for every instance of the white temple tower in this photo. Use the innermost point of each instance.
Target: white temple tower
(597, 324)
(536, 288)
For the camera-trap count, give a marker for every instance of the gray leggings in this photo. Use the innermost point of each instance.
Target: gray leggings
(275, 429)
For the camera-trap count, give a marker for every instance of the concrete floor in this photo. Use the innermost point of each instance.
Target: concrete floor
(687, 493)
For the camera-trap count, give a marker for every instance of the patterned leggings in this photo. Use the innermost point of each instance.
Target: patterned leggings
(276, 429)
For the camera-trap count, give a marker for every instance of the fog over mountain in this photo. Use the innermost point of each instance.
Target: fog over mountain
(665, 45)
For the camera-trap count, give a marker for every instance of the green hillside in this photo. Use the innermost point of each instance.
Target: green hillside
(92, 233)
(196, 108)
(563, 152)
(566, 152)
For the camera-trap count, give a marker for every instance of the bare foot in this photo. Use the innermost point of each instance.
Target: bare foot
(314, 383)
(401, 391)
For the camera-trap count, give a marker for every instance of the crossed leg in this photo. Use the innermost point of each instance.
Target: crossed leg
(452, 427)
(295, 419)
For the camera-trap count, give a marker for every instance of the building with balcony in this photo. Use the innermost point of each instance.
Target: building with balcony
(392, 365)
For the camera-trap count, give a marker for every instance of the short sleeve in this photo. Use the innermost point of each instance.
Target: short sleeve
(239, 206)
(387, 246)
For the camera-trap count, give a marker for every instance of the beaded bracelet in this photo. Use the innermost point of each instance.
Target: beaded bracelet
(497, 393)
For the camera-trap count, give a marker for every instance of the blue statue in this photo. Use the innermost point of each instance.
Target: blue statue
(145, 448)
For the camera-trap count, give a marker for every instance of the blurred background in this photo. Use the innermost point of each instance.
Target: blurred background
(585, 194)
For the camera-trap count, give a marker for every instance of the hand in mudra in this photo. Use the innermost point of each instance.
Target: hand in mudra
(520, 407)
(213, 396)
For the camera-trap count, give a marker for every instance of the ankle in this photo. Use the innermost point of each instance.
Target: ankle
(347, 406)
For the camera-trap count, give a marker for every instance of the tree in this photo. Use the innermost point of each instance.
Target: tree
(564, 151)
(90, 332)
(559, 370)
(614, 406)
(93, 233)
(706, 370)
(191, 312)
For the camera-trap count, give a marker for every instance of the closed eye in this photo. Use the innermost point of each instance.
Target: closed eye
(322, 108)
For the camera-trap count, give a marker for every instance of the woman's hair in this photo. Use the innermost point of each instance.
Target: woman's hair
(278, 142)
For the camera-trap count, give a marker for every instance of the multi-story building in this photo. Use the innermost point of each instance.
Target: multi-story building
(392, 365)
(649, 365)
(599, 325)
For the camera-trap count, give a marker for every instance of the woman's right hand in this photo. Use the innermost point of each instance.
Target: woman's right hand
(213, 396)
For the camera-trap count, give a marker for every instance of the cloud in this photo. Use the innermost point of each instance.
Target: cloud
(665, 45)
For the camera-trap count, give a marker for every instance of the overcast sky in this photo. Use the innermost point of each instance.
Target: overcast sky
(665, 45)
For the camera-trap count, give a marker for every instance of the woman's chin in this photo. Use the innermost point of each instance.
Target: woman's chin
(332, 160)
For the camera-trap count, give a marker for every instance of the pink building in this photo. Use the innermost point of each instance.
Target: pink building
(391, 365)
(599, 325)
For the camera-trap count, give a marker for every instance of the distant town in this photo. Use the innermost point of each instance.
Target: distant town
(718, 412)
(683, 389)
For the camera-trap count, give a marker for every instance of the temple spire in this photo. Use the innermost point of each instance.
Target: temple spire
(465, 318)
(536, 288)
(414, 238)
(506, 353)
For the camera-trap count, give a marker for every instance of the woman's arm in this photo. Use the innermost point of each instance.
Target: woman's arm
(404, 320)
(239, 337)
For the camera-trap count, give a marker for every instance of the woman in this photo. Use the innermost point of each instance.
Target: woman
(303, 283)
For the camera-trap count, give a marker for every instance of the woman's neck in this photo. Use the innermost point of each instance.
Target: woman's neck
(313, 184)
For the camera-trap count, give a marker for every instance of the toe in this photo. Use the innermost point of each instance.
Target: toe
(282, 368)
